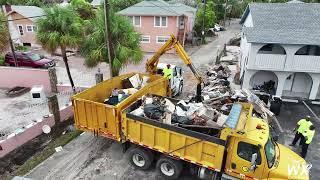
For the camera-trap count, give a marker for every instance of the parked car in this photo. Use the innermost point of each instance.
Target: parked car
(216, 28)
(29, 59)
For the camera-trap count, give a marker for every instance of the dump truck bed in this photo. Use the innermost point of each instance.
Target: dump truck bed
(181, 143)
(92, 115)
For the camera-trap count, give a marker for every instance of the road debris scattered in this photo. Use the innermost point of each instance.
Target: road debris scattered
(58, 149)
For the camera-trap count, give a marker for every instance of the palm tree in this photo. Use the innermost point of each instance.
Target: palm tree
(84, 9)
(61, 28)
(126, 42)
(4, 35)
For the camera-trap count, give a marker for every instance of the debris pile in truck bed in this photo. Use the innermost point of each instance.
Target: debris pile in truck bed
(201, 117)
(179, 112)
(129, 86)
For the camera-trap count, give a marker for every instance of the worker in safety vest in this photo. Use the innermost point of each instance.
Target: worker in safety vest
(167, 72)
(302, 125)
(308, 136)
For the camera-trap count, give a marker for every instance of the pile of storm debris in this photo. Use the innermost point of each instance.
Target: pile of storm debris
(179, 112)
(231, 55)
(212, 112)
(189, 114)
(129, 86)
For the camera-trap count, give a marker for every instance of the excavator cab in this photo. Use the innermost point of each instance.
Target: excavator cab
(176, 82)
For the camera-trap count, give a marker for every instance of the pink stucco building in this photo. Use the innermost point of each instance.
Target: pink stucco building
(22, 23)
(155, 20)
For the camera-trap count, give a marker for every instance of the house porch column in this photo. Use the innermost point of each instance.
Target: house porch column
(282, 76)
(246, 79)
(315, 86)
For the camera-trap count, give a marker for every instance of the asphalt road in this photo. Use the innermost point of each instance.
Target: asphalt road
(291, 113)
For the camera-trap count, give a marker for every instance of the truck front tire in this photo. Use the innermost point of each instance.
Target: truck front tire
(141, 158)
(169, 168)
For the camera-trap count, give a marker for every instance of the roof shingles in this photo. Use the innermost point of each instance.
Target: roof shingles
(284, 23)
(156, 7)
(31, 12)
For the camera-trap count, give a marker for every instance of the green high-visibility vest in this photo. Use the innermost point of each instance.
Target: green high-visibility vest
(167, 73)
(308, 134)
(303, 125)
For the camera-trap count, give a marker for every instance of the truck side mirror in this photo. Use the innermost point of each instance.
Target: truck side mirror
(253, 162)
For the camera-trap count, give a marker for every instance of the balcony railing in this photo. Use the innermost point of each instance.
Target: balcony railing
(306, 63)
(270, 61)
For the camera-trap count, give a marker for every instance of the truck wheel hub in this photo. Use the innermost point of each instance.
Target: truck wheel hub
(167, 169)
(138, 160)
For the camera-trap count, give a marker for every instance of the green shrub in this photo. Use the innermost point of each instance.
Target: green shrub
(21, 48)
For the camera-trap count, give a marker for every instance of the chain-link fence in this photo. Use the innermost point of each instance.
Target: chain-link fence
(16, 116)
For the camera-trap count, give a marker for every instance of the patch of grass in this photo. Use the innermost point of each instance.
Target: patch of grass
(46, 152)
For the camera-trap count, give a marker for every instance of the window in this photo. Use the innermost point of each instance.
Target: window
(162, 39)
(20, 28)
(29, 28)
(270, 152)
(135, 20)
(35, 95)
(160, 21)
(35, 57)
(246, 150)
(145, 39)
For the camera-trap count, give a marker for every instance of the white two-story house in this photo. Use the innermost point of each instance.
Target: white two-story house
(281, 42)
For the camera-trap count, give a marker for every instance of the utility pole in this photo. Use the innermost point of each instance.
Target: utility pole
(108, 36)
(225, 13)
(203, 21)
(10, 40)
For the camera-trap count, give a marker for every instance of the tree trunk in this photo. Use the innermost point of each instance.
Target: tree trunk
(65, 60)
(115, 72)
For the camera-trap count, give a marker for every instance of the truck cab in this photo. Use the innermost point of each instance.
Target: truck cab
(176, 82)
(253, 154)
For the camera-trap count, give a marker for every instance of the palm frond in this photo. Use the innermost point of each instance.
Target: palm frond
(125, 40)
(61, 27)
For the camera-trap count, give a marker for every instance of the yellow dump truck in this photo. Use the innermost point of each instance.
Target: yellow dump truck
(242, 149)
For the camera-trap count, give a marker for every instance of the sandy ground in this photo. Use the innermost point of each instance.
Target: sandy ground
(89, 157)
(18, 112)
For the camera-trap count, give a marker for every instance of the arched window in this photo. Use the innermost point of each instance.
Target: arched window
(309, 50)
(272, 49)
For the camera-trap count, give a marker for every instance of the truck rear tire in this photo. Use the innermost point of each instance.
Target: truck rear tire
(169, 168)
(141, 158)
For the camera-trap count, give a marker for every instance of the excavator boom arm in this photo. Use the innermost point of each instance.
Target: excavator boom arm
(172, 42)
